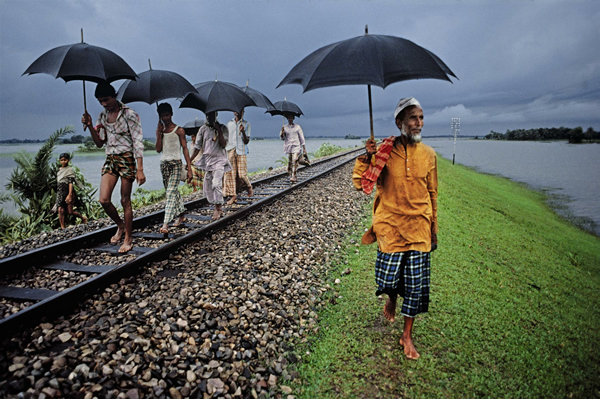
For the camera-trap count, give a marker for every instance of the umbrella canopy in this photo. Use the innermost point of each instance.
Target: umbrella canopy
(153, 86)
(370, 60)
(192, 127)
(285, 107)
(259, 98)
(217, 96)
(81, 61)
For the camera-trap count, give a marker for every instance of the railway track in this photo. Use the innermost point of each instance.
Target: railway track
(108, 267)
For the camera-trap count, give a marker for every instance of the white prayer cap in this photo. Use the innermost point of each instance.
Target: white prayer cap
(404, 103)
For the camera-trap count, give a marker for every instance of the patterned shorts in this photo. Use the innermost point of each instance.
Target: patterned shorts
(406, 274)
(120, 165)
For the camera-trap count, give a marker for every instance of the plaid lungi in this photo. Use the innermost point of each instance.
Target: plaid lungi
(197, 176)
(120, 165)
(406, 274)
(237, 178)
(171, 174)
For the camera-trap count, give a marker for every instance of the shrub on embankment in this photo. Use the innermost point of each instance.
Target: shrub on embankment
(515, 308)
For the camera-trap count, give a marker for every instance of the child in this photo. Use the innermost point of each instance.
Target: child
(65, 195)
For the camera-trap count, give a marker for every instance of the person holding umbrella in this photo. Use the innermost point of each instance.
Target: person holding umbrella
(239, 137)
(119, 128)
(294, 144)
(170, 141)
(404, 215)
(211, 140)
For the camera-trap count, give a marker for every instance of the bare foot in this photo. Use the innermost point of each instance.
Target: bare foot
(250, 192)
(389, 309)
(126, 247)
(293, 179)
(117, 237)
(179, 221)
(217, 214)
(409, 349)
(164, 229)
(232, 200)
(84, 219)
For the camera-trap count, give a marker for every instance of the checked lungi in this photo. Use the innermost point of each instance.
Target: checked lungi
(197, 176)
(239, 163)
(406, 274)
(122, 165)
(171, 174)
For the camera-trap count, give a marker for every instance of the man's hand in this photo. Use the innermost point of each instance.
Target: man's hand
(86, 119)
(140, 177)
(371, 146)
(434, 244)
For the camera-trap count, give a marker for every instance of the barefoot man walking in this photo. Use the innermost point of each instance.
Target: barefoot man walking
(119, 127)
(404, 216)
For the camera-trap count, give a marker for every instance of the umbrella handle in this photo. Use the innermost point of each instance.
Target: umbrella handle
(371, 112)
(84, 104)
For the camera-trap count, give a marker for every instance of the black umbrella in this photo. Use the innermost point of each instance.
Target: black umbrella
(81, 61)
(217, 96)
(370, 59)
(153, 86)
(285, 107)
(259, 98)
(192, 127)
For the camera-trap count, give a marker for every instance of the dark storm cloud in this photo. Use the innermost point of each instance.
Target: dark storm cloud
(520, 64)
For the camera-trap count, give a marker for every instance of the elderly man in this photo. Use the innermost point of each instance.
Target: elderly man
(239, 137)
(404, 215)
(212, 140)
(119, 127)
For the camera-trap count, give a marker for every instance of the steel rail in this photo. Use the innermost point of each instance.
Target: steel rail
(63, 301)
(39, 256)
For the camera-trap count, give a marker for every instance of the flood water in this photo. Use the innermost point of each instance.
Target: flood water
(568, 170)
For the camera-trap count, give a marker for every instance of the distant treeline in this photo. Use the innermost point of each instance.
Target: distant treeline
(575, 135)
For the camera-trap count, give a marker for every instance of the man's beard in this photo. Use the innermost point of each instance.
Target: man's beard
(412, 139)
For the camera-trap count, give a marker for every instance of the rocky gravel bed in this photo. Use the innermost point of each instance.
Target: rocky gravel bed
(73, 231)
(219, 318)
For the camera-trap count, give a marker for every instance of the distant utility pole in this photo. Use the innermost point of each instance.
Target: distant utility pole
(455, 127)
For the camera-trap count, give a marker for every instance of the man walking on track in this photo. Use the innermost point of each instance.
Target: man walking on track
(404, 216)
(119, 127)
(239, 137)
(212, 140)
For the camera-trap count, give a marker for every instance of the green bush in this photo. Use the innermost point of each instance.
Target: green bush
(32, 188)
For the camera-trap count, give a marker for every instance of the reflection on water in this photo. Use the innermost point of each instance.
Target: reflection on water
(263, 155)
(566, 169)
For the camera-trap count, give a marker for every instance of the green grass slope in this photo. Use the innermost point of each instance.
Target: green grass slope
(515, 308)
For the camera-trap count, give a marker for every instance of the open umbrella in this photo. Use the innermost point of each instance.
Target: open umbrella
(259, 98)
(192, 127)
(153, 86)
(371, 60)
(285, 107)
(81, 61)
(217, 96)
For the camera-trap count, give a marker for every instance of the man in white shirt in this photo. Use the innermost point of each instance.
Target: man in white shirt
(239, 137)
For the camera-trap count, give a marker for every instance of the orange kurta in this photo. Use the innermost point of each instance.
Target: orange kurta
(405, 206)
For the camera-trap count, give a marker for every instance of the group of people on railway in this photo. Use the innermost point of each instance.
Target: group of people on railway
(216, 159)
(402, 168)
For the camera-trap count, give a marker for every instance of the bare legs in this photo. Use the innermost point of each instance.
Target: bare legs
(70, 211)
(406, 340)
(107, 185)
(389, 312)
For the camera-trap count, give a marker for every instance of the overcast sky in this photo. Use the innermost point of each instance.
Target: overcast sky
(520, 64)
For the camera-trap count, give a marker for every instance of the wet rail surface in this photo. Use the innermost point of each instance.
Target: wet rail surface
(48, 302)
